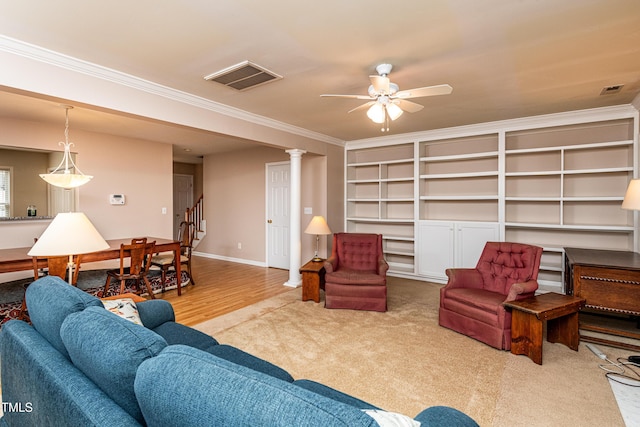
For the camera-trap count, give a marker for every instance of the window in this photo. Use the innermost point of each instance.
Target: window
(5, 192)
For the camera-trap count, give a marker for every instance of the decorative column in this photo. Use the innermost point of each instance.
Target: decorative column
(295, 247)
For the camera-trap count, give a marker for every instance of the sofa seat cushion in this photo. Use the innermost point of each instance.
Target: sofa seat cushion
(351, 277)
(230, 394)
(175, 333)
(49, 301)
(108, 349)
(243, 358)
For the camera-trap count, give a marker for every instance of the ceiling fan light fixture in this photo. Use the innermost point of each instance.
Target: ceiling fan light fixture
(394, 111)
(376, 113)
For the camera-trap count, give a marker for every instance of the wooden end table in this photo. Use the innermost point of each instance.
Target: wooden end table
(528, 317)
(312, 280)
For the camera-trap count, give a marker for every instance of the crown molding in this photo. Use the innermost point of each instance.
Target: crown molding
(37, 53)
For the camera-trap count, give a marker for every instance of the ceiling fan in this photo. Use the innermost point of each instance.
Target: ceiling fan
(386, 101)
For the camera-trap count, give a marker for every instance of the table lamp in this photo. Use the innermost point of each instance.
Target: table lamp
(632, 196)
(68, 234)
(317, 226)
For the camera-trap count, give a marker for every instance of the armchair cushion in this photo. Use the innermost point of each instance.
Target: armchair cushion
(503, 264)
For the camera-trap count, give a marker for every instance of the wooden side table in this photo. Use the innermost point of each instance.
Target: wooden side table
(528, 317)
(312, 280)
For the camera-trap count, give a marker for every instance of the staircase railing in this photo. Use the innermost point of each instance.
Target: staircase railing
(195, 214)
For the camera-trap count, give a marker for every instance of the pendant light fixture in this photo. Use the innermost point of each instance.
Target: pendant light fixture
(67, 177)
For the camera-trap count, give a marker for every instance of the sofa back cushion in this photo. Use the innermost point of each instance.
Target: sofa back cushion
(49, 301)
(108, 349)
(357, 251)
(230, 395)
(503, 264)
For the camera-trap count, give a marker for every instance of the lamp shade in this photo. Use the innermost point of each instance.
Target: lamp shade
(376, 113)
(69, 234)
(394, 111)
(66, 179)
(632, 196)
(317, 226)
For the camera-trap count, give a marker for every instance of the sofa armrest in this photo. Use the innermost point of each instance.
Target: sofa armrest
(154, 313)
(330, 264)
(522, 290)
(444, 416)
(464, 278)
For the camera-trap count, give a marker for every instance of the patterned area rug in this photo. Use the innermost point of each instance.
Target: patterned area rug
(91, 281)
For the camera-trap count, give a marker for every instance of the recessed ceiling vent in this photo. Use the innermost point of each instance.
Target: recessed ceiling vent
(243, 76)
(610, 90)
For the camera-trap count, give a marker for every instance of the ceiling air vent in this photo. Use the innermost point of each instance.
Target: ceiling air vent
(609, 90)
(242, 76)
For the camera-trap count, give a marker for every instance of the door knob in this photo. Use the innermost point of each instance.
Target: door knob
(269, 221)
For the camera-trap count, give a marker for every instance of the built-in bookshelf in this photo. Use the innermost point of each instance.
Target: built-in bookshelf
(555, 181)
(380, 199)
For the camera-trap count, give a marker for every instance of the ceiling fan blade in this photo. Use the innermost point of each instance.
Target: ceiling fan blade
(424, 91)
(347, 96)
(408, 106)
(363, 106)
(380, 84)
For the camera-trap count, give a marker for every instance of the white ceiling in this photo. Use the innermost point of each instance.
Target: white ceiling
(504, 58)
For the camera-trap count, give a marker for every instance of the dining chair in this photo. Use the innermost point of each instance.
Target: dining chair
(186, 234)
(139, 252)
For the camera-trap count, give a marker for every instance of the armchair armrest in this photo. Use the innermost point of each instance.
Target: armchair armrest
(330, 264)
(464, 278)
(383, 266)
(154, 313)
(522, 290)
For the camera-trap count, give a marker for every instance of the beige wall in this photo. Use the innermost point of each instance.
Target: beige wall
(235, 201)
(139, 169)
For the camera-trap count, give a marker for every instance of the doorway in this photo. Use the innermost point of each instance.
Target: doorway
(277, 199)
(182, 199)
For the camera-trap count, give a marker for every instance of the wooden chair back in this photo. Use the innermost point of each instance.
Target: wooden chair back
(186, 234)
(139, 252)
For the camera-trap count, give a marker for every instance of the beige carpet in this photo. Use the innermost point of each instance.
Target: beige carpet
(403, 361)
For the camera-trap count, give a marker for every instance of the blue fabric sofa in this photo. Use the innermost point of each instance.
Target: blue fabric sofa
(81, 365)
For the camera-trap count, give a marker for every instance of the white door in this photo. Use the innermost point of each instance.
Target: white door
(182, 199)
(278, 215)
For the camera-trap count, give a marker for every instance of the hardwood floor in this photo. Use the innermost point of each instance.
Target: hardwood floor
(222, 287)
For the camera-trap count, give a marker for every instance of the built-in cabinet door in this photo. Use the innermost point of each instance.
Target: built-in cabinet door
(435, 248)
(448, 244)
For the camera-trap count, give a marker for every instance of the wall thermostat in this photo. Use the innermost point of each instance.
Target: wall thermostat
(116, 199)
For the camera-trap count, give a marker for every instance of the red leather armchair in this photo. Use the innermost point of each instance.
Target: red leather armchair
(471, 301)
(356, 273)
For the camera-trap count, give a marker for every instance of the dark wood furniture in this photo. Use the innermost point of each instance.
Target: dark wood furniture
(312, 280)
(527, 323)
(186, 234)
(16, 259)
(139, 252)
(610, 283)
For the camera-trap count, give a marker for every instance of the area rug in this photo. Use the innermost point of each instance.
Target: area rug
(91, 281)
(403, 361)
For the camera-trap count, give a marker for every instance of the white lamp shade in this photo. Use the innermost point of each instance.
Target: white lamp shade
(66, 179)
(394, 111)
(68, 234)
(317, 226)
(376, 113)
(632, 196)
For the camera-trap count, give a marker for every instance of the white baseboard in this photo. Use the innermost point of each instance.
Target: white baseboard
(231, 259)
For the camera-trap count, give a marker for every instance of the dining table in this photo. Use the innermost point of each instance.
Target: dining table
(17, 259)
